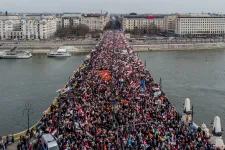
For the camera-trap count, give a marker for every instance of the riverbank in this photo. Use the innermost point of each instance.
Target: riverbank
(179, 47)
(79, 49)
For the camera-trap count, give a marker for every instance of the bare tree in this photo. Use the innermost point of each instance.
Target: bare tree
(80, 30)
(151, 29)
(96, 34)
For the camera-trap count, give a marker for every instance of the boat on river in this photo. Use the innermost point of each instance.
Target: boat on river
(14, 54)
(59, 53)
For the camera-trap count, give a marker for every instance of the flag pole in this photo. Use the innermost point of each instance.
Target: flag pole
(160, 83)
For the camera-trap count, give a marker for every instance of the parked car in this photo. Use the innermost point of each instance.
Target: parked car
(171, 38)
(48, 142)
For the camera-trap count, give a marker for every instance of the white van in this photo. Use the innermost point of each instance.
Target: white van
(156, 91)
(48, 142)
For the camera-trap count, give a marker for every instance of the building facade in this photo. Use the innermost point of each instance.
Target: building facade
(199, 26)
(38, 26)
(71, 20)
(58, 22)
(95, 21)
(131, 22)
(170, 22)
(43, 26)
(10, 27)
(27, 27)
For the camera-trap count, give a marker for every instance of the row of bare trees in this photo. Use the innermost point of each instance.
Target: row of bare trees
(73, 31)
(79, 30)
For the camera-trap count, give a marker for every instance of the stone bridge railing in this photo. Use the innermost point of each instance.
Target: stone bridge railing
(215, 137)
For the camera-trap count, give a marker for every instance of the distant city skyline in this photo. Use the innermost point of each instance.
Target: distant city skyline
(113, 6)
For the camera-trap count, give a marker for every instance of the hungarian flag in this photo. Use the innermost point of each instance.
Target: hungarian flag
(65, 90)
(59, 91)
(129, 71)
(137, 85)
(53, 132)
(89, 134)
(121, 129)
(82, 124)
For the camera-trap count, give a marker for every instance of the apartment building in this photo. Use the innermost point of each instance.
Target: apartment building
(38, 26)
(130, 22)
(202, 25)
(10, 27)
(27, 26)
(170, 22)
(95, 21)
(71, 20)
(43, 26)
(58, 22)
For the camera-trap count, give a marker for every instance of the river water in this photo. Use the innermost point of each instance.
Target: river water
(199, 75)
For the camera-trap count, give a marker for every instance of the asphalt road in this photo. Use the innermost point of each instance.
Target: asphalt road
(34, 44)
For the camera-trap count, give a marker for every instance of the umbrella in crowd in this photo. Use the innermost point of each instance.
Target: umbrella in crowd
(110, 103)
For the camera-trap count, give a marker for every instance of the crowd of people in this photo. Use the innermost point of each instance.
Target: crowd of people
(111, 103)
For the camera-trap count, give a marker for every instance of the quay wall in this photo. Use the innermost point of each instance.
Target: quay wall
(78, 49)
(175, 47)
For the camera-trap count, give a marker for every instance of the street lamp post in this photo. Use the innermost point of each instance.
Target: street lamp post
(28, 110)
(192, 114)
(160, 84)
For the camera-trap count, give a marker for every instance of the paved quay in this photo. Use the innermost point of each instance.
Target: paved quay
(13, 146)
(112, 102)
(78, 49)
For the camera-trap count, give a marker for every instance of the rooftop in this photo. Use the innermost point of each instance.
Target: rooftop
(9, 17)
(91, 15)
(200, 16)
(144, 16)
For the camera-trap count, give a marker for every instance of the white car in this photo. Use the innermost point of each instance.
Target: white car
(157, 92)
(48, 142)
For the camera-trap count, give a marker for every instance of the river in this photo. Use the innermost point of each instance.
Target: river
(199, 75)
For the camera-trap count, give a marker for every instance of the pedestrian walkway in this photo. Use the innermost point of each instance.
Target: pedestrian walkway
(13, 146)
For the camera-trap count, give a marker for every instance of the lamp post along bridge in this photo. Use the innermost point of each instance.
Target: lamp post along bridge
(28, 110)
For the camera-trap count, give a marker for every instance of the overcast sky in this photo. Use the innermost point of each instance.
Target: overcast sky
(114, 6)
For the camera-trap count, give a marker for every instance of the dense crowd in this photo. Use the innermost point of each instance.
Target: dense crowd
(112, 102)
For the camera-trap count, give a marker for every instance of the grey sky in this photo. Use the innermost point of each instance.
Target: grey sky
(113, 6)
